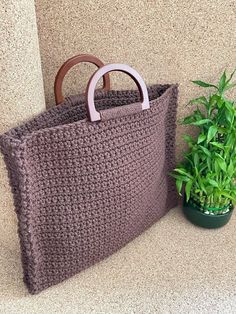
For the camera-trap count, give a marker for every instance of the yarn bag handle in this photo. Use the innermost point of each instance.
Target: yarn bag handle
(68, 65)
(95, 115)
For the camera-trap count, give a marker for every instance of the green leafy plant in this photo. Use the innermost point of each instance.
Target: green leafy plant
(208, 172)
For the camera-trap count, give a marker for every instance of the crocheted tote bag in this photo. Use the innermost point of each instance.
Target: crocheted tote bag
(90, 175)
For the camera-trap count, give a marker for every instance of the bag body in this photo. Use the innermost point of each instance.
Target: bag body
(83, 189)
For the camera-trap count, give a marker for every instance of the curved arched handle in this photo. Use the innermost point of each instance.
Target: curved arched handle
(68, 65)
(94, 115)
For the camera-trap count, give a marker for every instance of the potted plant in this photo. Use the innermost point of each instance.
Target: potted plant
(207, 173)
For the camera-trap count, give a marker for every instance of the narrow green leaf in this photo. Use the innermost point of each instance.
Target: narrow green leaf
(219, 145)
(229, 105)
(188, 189)
(226, 195)
(229, 116)
(218, 155)
(209, 164)
(180, 177)
(187, 120)
(201, 138)
(231, 140)
(222, 82)
(183, 172)
(222, 164)
(201, 184)
(179, 185)
(231, 168)
(216, 166)
(188, 159)
(204, 84)
(231, 76)
(205, 150)
(196, 159)
(211, 133)
(203, 167)
(213, 183)
(200, 122)
(199, 100)
(215, 98)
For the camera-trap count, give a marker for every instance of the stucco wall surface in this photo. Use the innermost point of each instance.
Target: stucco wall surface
(21, 88)
(166, 41)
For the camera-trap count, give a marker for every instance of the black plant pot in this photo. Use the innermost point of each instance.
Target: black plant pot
(193, 214)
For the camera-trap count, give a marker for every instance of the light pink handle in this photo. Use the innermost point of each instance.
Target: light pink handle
(94, 115)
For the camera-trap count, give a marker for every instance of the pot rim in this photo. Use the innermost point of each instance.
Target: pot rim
(208, 215)
(186, 204)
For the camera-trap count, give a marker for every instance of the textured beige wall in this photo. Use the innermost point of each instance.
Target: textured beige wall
(166, 41)
(21, 88)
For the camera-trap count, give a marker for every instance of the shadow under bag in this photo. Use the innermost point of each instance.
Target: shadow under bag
(90, 175)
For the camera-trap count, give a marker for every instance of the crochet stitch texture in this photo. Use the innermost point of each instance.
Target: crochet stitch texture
(83, 190)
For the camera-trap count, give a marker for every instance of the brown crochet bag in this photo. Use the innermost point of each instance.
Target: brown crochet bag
(91, 174)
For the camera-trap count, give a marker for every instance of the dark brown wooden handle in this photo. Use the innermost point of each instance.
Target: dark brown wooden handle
(68, 65)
